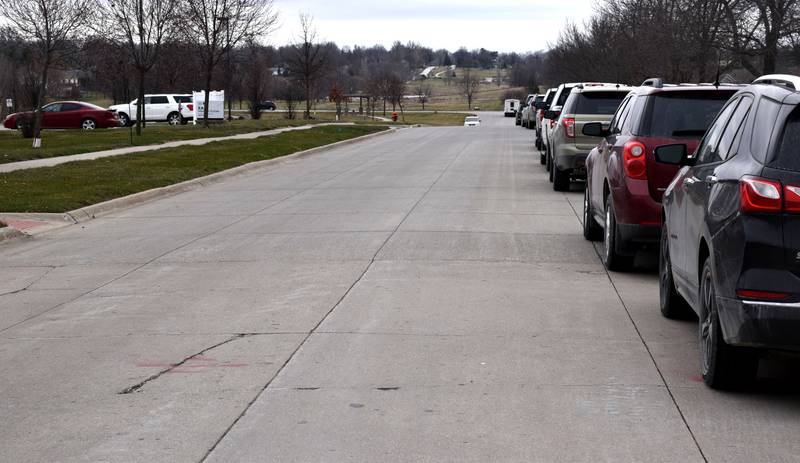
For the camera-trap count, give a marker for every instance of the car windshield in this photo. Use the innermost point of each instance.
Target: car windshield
(472, 119)
(598, 102)
(682, 115)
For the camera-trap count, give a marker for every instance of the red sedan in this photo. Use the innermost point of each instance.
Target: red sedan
(69, 115)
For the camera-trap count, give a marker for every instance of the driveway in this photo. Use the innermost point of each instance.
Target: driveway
(423, 296)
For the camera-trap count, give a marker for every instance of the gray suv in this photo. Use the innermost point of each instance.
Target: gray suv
(568, 145)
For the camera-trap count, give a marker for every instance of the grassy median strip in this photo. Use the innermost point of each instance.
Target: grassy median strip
(14, 148)
(78, 184)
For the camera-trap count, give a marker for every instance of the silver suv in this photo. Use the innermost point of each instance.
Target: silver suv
(568, 145)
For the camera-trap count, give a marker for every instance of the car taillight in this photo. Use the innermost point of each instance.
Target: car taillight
(760, 195)
(791, 198)
(190, 107)
(569, 126)
(634, 160)
(762, 295)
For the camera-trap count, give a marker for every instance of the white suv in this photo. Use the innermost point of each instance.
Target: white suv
(174, 109)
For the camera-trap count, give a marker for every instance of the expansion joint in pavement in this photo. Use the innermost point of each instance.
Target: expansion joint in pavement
(647, 348)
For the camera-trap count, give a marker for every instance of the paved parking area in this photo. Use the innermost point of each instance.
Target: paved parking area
(423, 296)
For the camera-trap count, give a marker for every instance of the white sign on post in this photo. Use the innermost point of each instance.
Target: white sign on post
(216, 105)
(9, 103)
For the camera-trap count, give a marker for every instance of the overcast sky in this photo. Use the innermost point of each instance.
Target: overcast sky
(502, 25)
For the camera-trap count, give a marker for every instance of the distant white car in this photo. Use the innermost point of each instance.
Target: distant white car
(173, 108)
(472, 121)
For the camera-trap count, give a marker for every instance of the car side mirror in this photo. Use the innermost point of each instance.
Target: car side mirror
(594, 129)
(675, 154)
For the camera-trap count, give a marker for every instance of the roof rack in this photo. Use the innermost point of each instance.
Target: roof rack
(783, 80)
(656, 82)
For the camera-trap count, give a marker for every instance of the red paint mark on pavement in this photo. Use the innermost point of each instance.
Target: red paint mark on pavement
(23, 225)
(696, 379)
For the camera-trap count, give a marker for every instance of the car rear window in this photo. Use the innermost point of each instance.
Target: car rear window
(598, 102)
(787, 156)
(562, 98)
(550, 96)
(682, 115)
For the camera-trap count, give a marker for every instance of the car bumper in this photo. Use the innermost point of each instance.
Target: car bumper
(772, 325)
(572, 157)
(632, 237)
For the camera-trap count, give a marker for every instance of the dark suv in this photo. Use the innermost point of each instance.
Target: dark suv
(624, 183)
(730, 243)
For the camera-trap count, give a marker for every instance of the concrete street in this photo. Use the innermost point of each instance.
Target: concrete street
(423, 296)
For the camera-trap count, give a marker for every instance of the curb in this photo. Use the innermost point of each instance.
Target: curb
(113, 205)
(8, 233)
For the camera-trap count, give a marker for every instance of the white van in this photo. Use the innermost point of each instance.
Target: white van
(511, 107)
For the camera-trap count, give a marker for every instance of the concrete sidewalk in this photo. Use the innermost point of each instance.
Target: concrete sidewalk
(48, 162)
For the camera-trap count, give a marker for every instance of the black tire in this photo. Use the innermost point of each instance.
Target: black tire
(124, 120)
(547, 157)
(592, 230)
(723, 366)
(672, 304)
(561, 179)
(542, 158)
(174, 118)
(611, 259)
(551, 166)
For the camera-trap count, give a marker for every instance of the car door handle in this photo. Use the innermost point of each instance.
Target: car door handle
(712, 180)
(689, 181)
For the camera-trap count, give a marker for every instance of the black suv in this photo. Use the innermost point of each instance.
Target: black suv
(730, 240)
(266, 105)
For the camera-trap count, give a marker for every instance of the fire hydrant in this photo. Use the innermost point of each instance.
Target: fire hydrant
(394, 117)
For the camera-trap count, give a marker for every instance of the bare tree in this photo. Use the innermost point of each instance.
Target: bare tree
(396, 90)
(142, 25)
(51, 25)
(257, 81)
(424, 92)
(218, 26)
(470, 83)
(308, 59)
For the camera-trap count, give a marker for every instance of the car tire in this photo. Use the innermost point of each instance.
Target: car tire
(542, 158)
(88, 124)
(174, 118)
(547, 165)
(723, 366)
(592, 230)
(124, 120)
(672, 304)
(561, 179)
(611, 259)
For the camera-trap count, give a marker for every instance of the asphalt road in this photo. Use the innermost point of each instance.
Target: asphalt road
(423, 296)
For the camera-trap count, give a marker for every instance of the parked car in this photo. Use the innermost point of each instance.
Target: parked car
(541, 107)
(568, 145)
(67, 115)
(530, 113)
(472, 121)
(510, 107)
(730, 242)
(562, 92)
(171, 108)
(524, 108)
(266, 105)
(624, 183)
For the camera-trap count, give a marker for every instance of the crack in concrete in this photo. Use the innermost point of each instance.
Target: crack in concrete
(49, 268)
(138, 386)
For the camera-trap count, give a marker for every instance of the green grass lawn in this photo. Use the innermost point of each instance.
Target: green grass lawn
(13, 147)
(81, 183)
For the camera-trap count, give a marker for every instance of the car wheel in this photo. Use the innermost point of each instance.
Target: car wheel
(124, 120)
(592, 231)
(550, 164)
(174, 118)
(88, 124)
(672, 304)
(547, 158)
(723, 366)
(561, 179)
(611, 259)
(542, 158)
